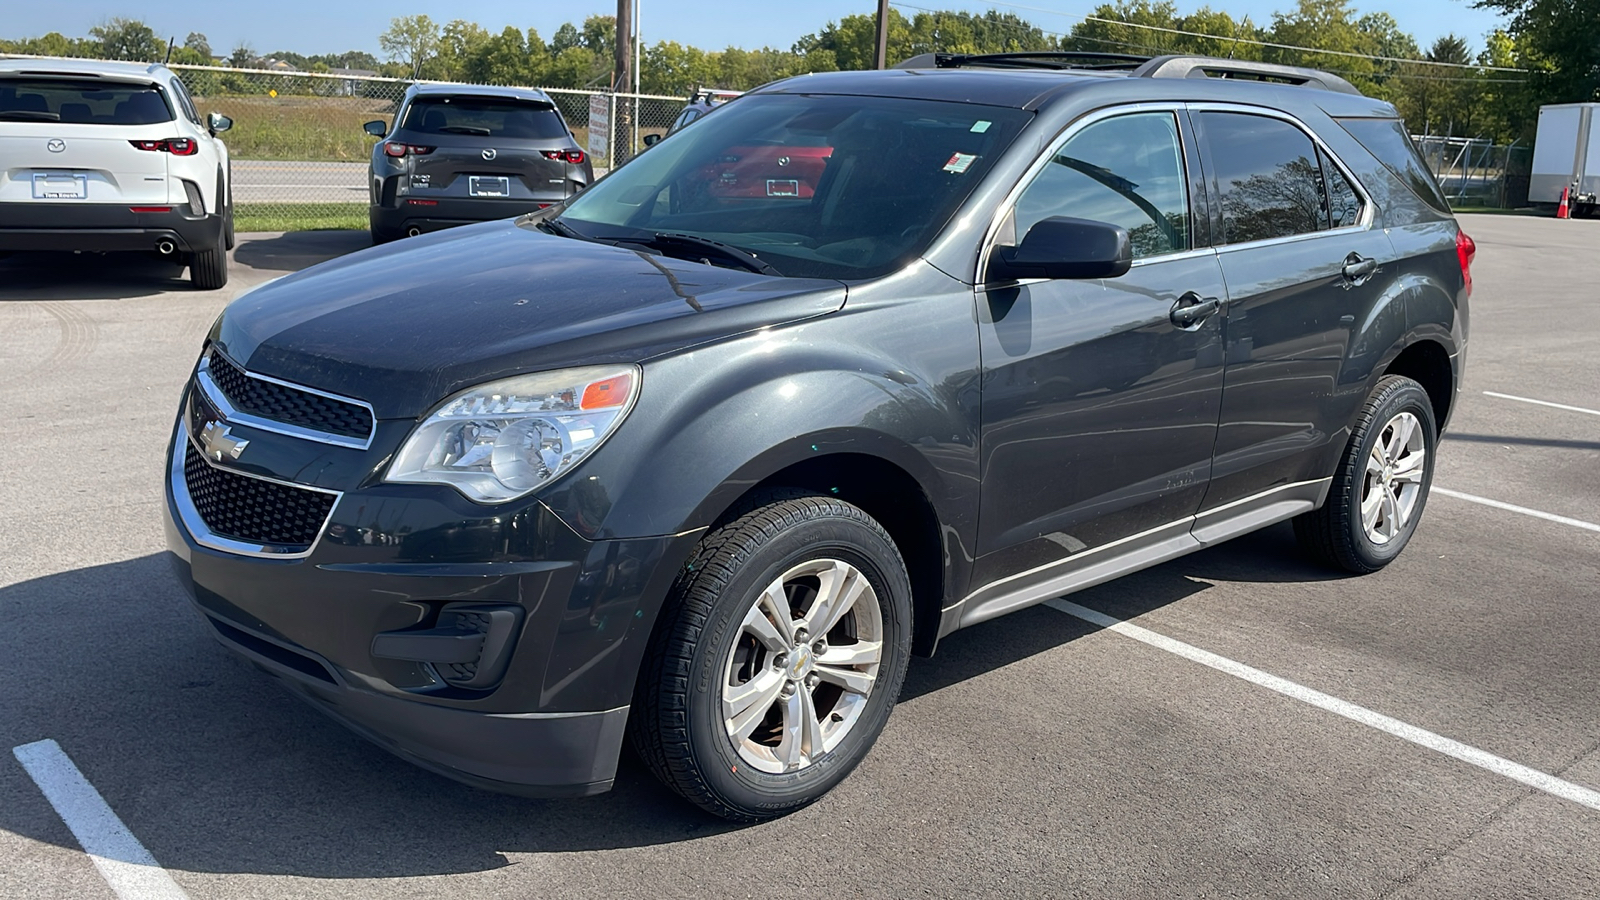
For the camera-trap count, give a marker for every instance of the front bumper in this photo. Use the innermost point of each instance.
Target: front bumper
(104, 228)
(389, 559)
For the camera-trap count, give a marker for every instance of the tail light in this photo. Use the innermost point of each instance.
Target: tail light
(398, 150)
(175, 146)
(575, 157)
(1466, 249)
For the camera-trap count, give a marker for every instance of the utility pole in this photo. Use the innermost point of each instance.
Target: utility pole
(621, 80)
(883, 34)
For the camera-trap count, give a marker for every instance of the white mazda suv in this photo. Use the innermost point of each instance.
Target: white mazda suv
(106, 156)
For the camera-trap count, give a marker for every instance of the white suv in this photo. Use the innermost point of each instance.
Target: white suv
(103, 156)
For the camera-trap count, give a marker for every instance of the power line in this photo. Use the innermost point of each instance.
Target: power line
(1218, 37)
(1231, 40)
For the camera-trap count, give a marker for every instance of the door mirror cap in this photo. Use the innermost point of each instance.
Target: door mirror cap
(218, 123)
(376, 128)
(1063, 247)
(650, 140)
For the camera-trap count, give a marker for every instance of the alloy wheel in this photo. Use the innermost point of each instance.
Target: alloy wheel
(803, 664)
(1394, 474)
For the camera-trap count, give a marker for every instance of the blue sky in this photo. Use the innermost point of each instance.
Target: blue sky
(319, 26)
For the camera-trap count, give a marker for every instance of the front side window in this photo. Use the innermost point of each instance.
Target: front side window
(81, 102)
(1127, 171)
(1269, 176)
(484, 117)
(820, 186)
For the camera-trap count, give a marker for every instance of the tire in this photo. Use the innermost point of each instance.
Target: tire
(208, 269)
(710, 644)
(1391, 451)
(380, 235)
(227, 227)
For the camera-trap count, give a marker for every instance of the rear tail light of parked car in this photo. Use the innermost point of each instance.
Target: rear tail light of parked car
(398, 150)
(175, 146)
(1466, 249)
(575, 157)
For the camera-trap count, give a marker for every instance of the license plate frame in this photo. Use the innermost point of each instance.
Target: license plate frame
(496, 186)
(59, 186)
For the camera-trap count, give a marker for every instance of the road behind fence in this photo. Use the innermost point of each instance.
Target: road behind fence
(300, 156)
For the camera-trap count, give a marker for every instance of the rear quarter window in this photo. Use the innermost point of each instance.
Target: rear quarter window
(484, 117)
(80, 103)
(1389, 142)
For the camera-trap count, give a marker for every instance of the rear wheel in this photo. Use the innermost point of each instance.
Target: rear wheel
(778, 660)
(1381, 485)
(208, 269)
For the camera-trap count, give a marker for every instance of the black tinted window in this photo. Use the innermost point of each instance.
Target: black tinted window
(1387, 140)
(76, 102)
(1344, 204)
(484, 117)
(1127, 171)
(1269, 176)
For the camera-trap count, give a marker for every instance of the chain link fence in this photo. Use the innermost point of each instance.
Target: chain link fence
(300, 156)
(1477, 172)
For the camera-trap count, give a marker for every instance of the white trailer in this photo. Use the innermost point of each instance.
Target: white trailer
(1566, 154)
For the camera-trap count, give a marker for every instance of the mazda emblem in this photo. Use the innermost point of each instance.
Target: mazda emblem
(489, 153)
(56, 145)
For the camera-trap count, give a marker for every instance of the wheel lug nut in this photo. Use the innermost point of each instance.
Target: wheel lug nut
(788, 689)
(812, 681)
(782, 661)
(820, 647)
(801, 636)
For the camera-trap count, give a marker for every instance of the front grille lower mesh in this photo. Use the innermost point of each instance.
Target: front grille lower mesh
(249, 509)
(288, 405)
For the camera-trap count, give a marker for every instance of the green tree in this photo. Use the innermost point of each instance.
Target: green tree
(457, 42)
(199, 44)
(128, 39)
(1556, 39)
(412, 41)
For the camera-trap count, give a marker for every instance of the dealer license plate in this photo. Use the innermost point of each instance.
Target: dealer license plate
(47, 186)
(489, 186)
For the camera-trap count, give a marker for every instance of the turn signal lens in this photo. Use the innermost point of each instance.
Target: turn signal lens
(608, 393)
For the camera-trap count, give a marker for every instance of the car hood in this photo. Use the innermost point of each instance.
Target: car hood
(405, 325)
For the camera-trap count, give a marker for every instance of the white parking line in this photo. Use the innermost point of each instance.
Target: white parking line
(1537, 514)
(1576, 409)
(1419, 736)
(124, 863)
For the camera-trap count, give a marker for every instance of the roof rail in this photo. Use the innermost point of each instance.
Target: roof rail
(1040, 59)
(1244, 70)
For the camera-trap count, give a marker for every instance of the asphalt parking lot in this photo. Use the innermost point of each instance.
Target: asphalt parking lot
(1037, 755)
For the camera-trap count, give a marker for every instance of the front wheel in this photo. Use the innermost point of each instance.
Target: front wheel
(779, 658)
(1382, 482)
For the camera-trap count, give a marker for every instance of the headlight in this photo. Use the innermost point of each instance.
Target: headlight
(498, 441)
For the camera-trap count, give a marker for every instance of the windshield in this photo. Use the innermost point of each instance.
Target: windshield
(816, 186)
(81, 103)
(484, 117)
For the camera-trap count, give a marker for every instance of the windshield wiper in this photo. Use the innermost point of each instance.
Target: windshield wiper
(674, 240)
(559, 228)
(30, 115)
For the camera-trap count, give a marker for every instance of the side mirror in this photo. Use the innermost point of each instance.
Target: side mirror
(376, 128)
(218, 123)
(650, 140)
(1063, 247)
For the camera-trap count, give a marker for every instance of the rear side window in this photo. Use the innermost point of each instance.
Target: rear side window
(81, 103)
(184, 101)
(1269, 175)
(484, 117)
(1387, 140)
(1126, 170)
(1344, 204)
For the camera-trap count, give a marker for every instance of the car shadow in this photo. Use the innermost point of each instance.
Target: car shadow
(217, 770)
(87, 276)
(292, 251)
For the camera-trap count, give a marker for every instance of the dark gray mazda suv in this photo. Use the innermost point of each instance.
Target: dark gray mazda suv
(702, 463)
(468, 153)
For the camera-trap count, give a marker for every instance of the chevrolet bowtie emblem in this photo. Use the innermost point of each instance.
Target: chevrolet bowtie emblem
(217, 442)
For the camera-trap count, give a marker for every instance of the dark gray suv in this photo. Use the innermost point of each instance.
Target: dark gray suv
(703, 455)
(468, 153)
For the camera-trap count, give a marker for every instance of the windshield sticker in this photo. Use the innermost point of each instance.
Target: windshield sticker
(980, 126)
(959, 162)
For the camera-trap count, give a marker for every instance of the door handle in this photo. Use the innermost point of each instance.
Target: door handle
(1191, 309)
(1358, 268)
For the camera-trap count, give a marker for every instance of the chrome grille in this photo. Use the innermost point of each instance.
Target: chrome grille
(251, 509)
(288, 405)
